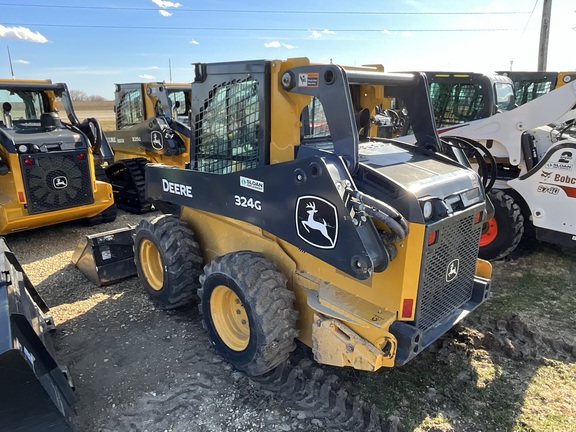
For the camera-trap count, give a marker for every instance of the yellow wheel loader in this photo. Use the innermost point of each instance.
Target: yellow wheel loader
(152, 125)
(295, 223)
(47, 171)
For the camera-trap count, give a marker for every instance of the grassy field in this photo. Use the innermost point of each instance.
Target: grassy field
(103, 111)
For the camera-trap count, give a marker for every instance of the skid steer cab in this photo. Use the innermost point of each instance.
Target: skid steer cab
(295, 223)
(529, 85)
(47, 171)
(152, 125)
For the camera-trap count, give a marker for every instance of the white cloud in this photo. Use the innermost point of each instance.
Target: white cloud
(21, 33)
(166, 4)
(147, 77)
(387, 32)
(315, 34)
(22, 61)
(164, 13)
(194, 42)
(276, 44)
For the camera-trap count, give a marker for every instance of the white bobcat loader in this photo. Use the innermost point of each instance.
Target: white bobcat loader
(533, 149)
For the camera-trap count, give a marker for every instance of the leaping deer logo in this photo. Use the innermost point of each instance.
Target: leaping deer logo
(320, 223)
(452, 270)
(314, 224)
(156, 139)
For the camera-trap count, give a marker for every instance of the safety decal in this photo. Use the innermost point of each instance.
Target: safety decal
(157, 140)
(309, 79)
(317, 221)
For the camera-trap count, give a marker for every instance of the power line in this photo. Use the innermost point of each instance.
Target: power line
(259, 11)
(123, 27)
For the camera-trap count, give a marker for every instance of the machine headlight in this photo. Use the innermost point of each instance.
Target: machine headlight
(22, 148)
(427, 210)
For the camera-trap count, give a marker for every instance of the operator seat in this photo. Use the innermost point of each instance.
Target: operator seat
(50, 121)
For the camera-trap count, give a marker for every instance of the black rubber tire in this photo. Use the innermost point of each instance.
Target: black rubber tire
(266, 301)
(180, 261)
(108, 215)
(509, 223)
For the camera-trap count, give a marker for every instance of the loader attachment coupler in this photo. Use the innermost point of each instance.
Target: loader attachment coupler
(36, 390)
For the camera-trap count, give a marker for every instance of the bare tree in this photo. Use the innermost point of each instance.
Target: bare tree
(78, 95)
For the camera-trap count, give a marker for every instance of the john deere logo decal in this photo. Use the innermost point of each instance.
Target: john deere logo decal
(317, 221)
(60, 182)
(156, 138)
(452, 270)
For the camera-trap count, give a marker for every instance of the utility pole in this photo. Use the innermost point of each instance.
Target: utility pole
(544, 35)
(10, 61)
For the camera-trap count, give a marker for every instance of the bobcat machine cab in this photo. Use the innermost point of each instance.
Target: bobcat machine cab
(47, 172)
(530, 85)
(529, 150)
(152, 125)
(459, 97)
(296, 224)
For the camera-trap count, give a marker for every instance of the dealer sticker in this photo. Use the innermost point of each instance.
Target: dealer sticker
(255, 185)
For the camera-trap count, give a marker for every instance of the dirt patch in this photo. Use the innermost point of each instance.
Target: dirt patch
(510, 366)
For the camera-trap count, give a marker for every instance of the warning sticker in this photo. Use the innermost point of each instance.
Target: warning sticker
(309, 79)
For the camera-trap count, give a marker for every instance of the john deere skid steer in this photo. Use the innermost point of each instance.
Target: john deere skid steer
(36, 390)
(296, 224)
(152, 125)
(47, 172)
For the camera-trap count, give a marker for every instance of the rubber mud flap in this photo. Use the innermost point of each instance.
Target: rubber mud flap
(36, 391)
(106, 258)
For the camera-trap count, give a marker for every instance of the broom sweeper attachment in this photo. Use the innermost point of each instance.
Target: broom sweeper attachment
(36, 391)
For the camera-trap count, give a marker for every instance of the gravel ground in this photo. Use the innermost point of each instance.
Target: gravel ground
(138, 368)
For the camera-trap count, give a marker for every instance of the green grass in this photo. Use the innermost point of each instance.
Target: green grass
(460, 384)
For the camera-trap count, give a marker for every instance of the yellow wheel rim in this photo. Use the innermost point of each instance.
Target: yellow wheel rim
(230, 318)
(151, 263)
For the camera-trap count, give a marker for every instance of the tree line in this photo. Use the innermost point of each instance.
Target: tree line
(81, 96)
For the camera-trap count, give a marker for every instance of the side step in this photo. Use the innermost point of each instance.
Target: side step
(36, 391)
(107, 257)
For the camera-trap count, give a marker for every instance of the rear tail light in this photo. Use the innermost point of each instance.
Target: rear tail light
(432, 237)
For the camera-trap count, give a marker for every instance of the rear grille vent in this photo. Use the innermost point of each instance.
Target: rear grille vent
(448, 270)
(56, 181)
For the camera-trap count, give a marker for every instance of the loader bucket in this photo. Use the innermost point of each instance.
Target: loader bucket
(36, 391)
(106, 258)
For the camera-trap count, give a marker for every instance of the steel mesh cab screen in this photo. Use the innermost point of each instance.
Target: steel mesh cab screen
(227, 129)
(439, 296)
(455, 103)
(55, 181)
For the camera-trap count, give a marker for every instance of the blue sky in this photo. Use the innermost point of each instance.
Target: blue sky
(91, 45)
